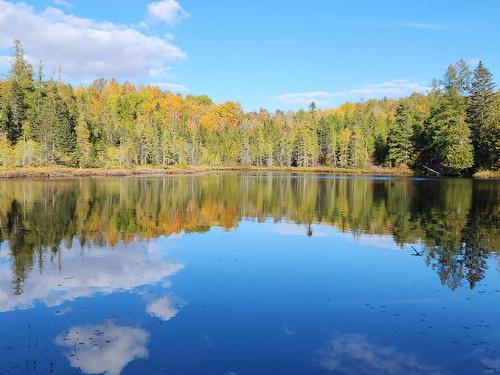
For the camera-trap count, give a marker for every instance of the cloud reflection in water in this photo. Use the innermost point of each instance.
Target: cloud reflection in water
(98, 349)
(86, 273)
(355, 354)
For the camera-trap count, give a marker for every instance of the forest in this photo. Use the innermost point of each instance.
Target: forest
(453, 129)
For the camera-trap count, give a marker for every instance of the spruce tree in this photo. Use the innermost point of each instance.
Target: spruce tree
(481, 118)
(20, 90)
(400, 135)
(450, 145)
(62, 122)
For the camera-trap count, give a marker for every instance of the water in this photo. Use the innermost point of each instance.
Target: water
(250, 274)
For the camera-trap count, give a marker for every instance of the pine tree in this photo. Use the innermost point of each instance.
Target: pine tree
(62, 124)
(481, 118)
(450, 144)
(400, 135)
(21, 87)
(312, 107)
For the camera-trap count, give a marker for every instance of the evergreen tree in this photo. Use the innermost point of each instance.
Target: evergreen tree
(400, 136)
(481, 118)
(313, 107)
(21, 88)
(451, 146)
(63, 124)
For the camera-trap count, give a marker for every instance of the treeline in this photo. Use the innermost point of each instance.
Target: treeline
(454, 129)
(455, 221)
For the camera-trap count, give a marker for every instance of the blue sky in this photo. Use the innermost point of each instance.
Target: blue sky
(271, 54)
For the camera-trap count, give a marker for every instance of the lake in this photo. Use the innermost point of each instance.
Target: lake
(250, 273)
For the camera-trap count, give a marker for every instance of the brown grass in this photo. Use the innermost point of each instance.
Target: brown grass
(62, 172)
(330, 170)
(487, 175)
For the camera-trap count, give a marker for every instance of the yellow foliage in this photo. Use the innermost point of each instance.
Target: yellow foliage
(6, 153)
(221, 116)
(27, 154)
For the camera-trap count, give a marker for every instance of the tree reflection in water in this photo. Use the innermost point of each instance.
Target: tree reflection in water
(456, 221)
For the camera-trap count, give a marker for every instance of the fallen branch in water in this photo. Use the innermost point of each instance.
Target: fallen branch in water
(432, 170)
(417, 254)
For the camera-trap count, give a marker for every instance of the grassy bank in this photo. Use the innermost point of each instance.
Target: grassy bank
(329, 170)
(487, 175)
(61, 172)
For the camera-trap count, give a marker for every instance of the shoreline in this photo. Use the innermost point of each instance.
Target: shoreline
(68, 172)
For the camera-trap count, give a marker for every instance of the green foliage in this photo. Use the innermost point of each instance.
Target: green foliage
(483, 118)
(21, 87)
(452, 128)
(358, 151)
(450, 135)
(83, 147)
(401, 136)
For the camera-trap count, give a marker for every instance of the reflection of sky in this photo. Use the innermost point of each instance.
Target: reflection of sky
(261, 299)
(353, 354)
(491, 365)
(87, 272)
(324, 230)
(164, 308)
(97, 349)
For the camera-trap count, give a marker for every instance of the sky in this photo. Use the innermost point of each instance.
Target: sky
(262, 53)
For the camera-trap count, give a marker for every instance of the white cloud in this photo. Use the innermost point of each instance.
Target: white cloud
(110, 350)
(394, 88)
(163, 308)
(83, 47)
(354, 354)
(391, 89)
(174, 87)
(424, 26)
(169, 11)
(304, 97)
(63, 3)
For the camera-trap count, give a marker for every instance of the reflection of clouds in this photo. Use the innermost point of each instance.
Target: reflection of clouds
(323, 230)
(354, 354)
(491, 365)
(105, 349)
(163, 308)
(84, 273)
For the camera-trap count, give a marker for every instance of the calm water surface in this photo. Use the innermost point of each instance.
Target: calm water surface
(250, 274)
